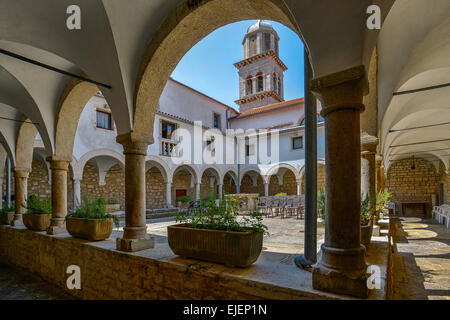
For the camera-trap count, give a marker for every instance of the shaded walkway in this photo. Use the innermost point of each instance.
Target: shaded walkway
(16, 284)
(421, 264)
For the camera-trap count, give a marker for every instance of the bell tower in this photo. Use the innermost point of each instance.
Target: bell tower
(261, 72)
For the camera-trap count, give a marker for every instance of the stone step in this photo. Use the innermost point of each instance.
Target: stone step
(384, 224)
(160, 213)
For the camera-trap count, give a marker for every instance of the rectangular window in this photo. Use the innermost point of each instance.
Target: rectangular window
(297, 143)
(249, 150)
(167, 129)
(253, 46)
(104, 120)
(216, 121)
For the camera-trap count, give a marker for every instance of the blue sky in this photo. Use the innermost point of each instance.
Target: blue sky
(208, 66)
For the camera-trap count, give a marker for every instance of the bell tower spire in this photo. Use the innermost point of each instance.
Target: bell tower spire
(261, 72)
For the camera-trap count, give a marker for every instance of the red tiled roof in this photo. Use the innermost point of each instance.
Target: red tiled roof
(295, 103)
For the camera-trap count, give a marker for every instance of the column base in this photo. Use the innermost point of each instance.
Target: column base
(17, 223)
(133, 245)
(341, 271)
(54, 230)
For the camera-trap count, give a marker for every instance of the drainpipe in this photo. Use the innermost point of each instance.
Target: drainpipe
(310, 248)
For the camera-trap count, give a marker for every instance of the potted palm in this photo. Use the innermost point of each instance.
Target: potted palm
(366, 218)
(7, 215)
(38, 215)
(215, 234)
(90, 221)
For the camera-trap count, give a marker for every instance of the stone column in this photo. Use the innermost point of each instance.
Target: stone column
(135, 237)
(76, 193)
(368, 177)
(20, 194)
(8, 182)
(169, 194)
(266, 189)
(59, 168)
(342, 268)
(1, 192)
(299, 187)
(220, 187)
(197, 191)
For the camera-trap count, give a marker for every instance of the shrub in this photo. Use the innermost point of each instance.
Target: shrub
(281, 194)
(38, 205)
(184, 199)
(222, 217)
(95, 209)
(8, 209)
(321, 204)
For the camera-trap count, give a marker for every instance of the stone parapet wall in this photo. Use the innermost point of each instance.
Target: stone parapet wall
(110, 274)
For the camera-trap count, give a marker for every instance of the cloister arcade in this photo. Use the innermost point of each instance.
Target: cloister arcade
(130, 50)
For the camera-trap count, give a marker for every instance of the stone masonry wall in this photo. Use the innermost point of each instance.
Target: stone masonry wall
(110, 274)
(409, 185)
(155, 189)
(444, 178)
(113, 189)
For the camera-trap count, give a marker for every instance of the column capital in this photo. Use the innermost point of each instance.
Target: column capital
(57, 163)
(21, 172)
(134, 143)
(368, 143)
(341, 90)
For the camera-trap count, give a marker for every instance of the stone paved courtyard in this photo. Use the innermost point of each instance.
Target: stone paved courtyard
(285, 235)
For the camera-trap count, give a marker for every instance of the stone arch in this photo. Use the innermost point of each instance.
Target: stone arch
(25, 144)
(182, 29)
(161, 165)
(233, 173)
(274, 169)
(72, 103)
(193, 170)
(216, 171)
(79, 165)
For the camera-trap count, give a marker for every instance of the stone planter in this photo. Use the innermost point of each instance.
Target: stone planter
(36, 222)
(112, 207)
(89, 229)
(234, 249)
(6, 218)
(366, 235)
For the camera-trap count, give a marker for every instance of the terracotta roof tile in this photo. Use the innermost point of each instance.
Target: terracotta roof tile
(295, 103)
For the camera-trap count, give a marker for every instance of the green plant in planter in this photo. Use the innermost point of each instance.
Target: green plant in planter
(281, 194)
(38, 205)
(8, 209)
(184, 199)
(223, 217)
(383, 196)
(95, 209)
(367, 206)
(321, 204)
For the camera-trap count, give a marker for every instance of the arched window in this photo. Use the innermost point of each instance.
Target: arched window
(275, 83)
(249, 86)
(260, 80)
